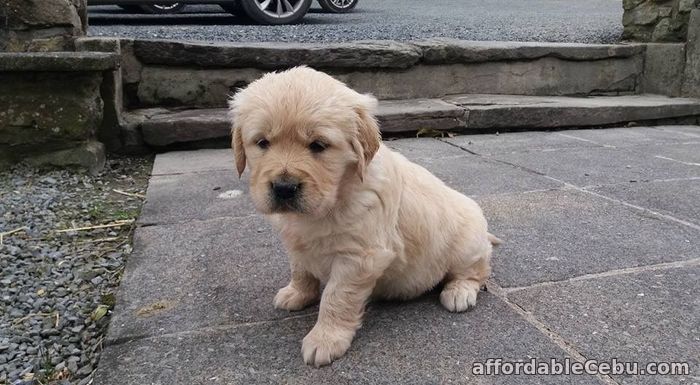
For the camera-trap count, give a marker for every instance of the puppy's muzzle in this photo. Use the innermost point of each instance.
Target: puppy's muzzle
(285, 193)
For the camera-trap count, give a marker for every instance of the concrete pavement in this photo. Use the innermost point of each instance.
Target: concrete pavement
(601, 261)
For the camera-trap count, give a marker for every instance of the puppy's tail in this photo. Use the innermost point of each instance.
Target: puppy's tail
(495, 241)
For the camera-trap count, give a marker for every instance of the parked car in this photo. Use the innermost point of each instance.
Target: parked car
(262, 11)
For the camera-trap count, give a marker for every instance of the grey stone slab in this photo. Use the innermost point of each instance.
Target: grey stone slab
(556, 235)
(186, 126)
(473, 175)
(632, 136)
(419, 114)
(200, 274)
(363, 54)
(204, 195)
(414, 148)
(490, 144)
(58, 61)
(597, 166)
(678, 198)
(441, 51)
(515, 111)
(414, 342)
(182, 162)
(643, 317)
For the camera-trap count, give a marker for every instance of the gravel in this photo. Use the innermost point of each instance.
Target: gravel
(590, 21)
(57, 288)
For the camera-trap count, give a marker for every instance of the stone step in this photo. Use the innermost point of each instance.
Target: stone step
(458, 113)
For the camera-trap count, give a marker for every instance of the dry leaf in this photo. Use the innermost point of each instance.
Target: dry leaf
(99, 312)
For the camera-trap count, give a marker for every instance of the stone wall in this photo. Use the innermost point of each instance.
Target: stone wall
(41, 25)
(52, 106)
(657, 20)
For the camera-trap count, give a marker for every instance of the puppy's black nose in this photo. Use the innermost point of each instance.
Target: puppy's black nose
(285, 190)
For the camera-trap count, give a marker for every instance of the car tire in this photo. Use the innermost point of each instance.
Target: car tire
(163, 8)
(234, 7)
(131, 8)
(338, 6)
(266, 11)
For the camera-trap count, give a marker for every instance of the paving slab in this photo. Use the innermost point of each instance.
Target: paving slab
(688, 153)
(490, 144)
(597, 166)
(643, 317)
(195, 305)
(200, 274)
(470, 174)
(203, 195)
(414, 342)
(678, 198)
(182, 162)
(475, 176)
(560, 234)
(691, 131)
(632, 136)
(414, 148)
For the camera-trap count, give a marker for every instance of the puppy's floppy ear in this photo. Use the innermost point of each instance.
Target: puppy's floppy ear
(367, 139)
(238, 151)
(237, 136)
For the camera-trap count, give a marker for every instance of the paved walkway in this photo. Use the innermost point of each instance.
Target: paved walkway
(601, 261)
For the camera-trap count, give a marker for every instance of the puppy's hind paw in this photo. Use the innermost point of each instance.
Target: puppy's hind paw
(458, 296)
(289, 298)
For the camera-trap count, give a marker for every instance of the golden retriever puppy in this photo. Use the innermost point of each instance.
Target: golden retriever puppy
(354, 216)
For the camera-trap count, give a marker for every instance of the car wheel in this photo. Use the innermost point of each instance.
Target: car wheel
(276, 12)
(233, 7)
(131, 8)
(163, 8)
(338, 6)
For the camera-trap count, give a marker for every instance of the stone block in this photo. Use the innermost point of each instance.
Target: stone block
(163, 86)
(89, 156)
(41, 25)
(419, 114)
(662, 65)
(186, 126)
(691, 83)
(47, 111)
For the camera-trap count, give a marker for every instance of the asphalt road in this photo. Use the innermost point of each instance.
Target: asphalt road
(585, 21)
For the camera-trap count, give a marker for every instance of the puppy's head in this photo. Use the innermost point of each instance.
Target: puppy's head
(303, 135)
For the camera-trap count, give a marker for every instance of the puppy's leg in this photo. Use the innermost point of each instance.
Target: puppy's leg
(302, 290)
(462, 284)
(342, 305)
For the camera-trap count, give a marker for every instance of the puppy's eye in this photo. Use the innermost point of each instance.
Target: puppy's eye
(263, 143)
(317, 146)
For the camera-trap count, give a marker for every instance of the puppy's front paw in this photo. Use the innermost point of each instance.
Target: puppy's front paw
(289, 298)
(321, 347)
(458, 296)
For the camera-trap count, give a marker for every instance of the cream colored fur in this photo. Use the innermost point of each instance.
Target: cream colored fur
(371, 224)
